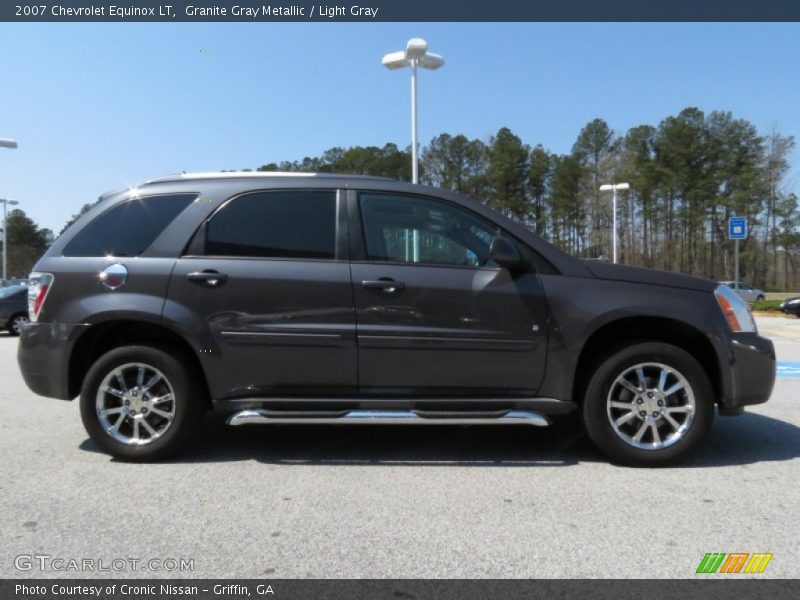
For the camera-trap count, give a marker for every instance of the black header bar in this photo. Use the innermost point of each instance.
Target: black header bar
(728, 588)
(399, 10)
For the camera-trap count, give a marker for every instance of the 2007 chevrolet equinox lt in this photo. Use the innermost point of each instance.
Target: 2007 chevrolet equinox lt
(315, 298)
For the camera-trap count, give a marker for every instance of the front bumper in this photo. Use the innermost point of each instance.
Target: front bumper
(43, 356)
(752, 370)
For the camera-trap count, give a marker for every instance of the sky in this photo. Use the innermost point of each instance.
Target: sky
(101, 106)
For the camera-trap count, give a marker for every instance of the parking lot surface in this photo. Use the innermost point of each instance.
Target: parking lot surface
(349, 501)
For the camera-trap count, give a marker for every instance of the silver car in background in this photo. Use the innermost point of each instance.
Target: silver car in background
(747, 292)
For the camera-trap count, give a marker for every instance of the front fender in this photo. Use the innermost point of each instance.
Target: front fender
(581, 307)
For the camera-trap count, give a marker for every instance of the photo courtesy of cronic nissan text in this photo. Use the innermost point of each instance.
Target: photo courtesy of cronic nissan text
(399, 299)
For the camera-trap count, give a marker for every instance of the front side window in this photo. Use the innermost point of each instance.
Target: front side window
(128, 228)
(293, 224)
(419, 230)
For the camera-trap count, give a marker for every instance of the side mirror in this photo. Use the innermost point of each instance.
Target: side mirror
(506, 254)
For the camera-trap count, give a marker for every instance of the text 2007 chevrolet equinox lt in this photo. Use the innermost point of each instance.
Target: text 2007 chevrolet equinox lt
(340, 299)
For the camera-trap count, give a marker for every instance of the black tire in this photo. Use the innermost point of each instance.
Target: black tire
(596, 414)
(188, 409)
(12, 325)
(760, 299)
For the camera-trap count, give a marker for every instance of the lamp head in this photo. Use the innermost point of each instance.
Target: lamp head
(614, 186)
(416, 48)
(395, 60)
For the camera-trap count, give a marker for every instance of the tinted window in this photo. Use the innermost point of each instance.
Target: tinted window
(128, 228)
(418, 230)
(276, 225)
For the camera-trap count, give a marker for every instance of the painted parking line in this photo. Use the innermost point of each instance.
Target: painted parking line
(789, 368)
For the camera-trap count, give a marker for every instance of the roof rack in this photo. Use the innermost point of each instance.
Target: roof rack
(258, 174)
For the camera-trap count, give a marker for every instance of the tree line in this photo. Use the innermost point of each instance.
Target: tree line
(26, 243)
(688, 174)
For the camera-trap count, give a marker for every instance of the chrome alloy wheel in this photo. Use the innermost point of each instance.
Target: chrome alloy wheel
(650, 406)
(18, 322)
(135, 404)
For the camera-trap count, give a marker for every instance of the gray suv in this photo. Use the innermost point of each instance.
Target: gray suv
(296, 298)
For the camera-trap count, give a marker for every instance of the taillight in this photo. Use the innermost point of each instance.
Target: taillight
(38, 286)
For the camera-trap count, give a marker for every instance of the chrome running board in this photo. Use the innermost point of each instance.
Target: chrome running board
(389, 417)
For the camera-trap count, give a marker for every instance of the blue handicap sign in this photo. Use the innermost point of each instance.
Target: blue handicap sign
(737, 228)
(790, 369)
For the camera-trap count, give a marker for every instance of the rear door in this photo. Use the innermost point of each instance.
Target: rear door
(435, 315)
(267, 279)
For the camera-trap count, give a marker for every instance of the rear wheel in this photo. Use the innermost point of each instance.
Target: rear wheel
(16, 323)
(139, 403)
(760, 298)
(649, 404)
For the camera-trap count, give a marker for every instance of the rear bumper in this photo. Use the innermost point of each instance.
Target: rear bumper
(43, 357)
(752, 370)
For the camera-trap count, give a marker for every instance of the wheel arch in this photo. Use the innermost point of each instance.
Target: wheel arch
(628, 330)
(107, 335)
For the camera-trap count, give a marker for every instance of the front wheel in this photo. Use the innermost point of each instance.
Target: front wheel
(648, 404)
(139, 403)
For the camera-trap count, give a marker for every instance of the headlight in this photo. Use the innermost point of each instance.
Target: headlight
(736, 311)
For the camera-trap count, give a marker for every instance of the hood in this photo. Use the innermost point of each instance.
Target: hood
(604, 270)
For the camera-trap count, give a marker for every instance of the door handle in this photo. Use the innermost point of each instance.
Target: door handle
(385, 285)
(207, 278)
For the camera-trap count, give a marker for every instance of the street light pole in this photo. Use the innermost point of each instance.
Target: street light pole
(415, 55)
(414, 158)
(5, 204)
(613, 188)
(614, 226)
(11, 145)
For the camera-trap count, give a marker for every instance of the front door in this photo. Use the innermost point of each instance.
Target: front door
(265, 280)
(435, 316)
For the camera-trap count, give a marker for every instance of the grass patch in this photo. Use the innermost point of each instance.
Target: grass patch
(767, 305)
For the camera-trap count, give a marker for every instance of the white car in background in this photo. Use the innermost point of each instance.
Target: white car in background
(746, 291)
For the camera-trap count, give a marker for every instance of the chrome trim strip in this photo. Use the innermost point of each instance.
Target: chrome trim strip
(335, 336)
(444, 343)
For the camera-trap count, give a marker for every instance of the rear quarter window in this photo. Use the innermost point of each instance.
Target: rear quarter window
(128, 228)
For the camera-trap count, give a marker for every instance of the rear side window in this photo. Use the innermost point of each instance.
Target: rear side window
(128, 228)
(298, 224)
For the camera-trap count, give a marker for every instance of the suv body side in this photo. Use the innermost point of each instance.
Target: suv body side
(573, 309)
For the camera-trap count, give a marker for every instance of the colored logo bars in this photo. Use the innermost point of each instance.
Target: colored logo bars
(735, 562)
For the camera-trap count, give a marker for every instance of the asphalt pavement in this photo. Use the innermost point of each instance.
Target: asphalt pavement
(350, 501)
